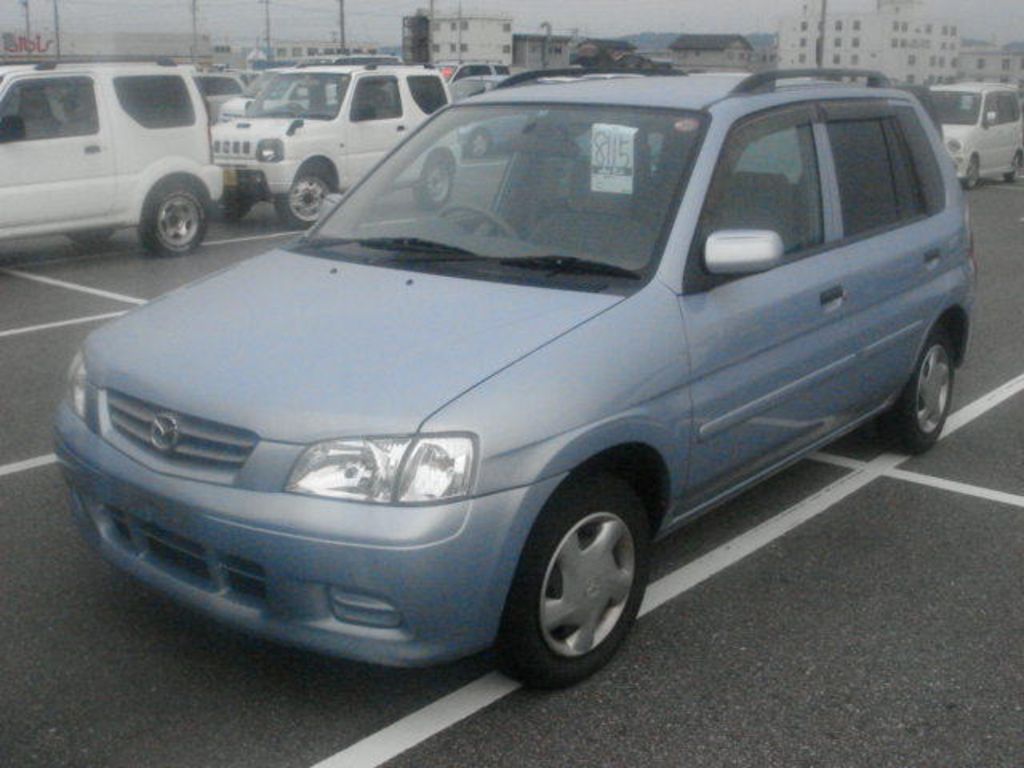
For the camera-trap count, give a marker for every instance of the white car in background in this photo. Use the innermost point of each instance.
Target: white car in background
(314, 131)
(453, 71)
(87, 149)
(982, 130)
(218, 88)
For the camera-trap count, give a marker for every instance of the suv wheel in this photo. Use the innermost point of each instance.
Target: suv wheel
(437, 179)
(1018, 162)
(301, 207)
(579, 584)
(917, 418)
(173, 221)
(973, 177)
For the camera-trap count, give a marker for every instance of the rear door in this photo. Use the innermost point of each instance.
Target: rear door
(377, 122)
(768, 351)
(63, 171)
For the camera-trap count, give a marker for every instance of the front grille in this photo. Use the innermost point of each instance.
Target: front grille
(232, 148)
(199, 443)
(187, 558)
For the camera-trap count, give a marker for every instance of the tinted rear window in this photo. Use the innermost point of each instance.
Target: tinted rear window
(156, 101)
(428, 93)
(219, 86)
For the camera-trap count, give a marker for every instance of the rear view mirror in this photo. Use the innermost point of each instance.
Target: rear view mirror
(12, 128)
(743, 251)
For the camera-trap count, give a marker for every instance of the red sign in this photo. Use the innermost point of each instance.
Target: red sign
(19, 45)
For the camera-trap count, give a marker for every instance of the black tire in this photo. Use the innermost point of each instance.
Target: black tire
(1018, 161)
(302, 206)
(525, 652)
(973, 176)
(235, 207)
(164, 230)
(92, 239)
(903, 422)
(436, 182)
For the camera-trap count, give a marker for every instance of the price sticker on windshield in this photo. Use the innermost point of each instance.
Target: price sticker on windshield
(612, 158)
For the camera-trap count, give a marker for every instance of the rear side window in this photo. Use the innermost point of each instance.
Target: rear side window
(923, 160)
(768, 179)
(878, 187)
(156, 101)
(376, 98)
(1008, 108)
(428, 93)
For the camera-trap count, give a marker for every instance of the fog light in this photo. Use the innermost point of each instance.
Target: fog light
(362, 609)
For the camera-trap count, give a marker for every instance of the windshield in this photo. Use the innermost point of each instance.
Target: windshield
(957, 107)
(309, 95)
(500, 183)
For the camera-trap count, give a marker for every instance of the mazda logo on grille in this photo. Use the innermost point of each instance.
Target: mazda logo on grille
(163, 432)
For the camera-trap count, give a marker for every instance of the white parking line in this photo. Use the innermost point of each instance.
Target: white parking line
(953, 486)
(59, 324)
(268, 236)
(74, 287)
(23, 466)
(414, 729)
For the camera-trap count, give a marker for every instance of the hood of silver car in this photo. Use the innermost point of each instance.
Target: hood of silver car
(298, 348)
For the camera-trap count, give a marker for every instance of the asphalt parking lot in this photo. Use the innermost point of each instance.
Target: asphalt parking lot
(860, 609)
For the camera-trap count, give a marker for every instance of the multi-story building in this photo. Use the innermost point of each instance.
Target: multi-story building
(990, 64)
(900, 38)
(720, 53)
(471, 37)
(234, 55)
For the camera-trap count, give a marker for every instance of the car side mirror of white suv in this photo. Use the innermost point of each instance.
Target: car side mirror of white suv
(743, 251)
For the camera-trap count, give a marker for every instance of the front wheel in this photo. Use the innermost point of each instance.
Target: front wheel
(300, 208)
(579, 584)
(174, 220)
(1014, 173)
(436, 182)
(916, 419)
(973, 176)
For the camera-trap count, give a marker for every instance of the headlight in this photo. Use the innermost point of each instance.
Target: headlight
(387, 470)
(77, 377)
(270, 151)
(954, 146)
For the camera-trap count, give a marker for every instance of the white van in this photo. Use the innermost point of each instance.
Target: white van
(87, 149)
(317, 130)
(982, 129)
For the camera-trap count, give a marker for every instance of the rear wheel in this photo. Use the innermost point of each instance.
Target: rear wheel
(1018, 162)
(918, 416)
(173, 220)
(579, 584)
(436, 182)
(300, 208)
(973, 176)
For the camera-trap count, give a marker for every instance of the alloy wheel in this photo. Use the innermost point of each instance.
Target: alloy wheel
(933, 384)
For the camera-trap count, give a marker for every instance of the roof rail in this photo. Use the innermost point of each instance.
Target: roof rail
(51, 64)
(765, 82)
(534, 75)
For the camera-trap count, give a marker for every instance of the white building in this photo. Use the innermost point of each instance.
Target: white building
(900, 38)
(989, 64)
(471, 37)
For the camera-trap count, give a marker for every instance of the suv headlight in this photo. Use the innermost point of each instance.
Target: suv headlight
(270, 151)
(387, 470)
(77, 377)
(954, 146)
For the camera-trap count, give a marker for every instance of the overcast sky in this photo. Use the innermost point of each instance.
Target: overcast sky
(379, 20)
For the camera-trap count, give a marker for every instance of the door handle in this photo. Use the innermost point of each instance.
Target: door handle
(833, 296)
(932, 256)
(400, 128)
(93, 149)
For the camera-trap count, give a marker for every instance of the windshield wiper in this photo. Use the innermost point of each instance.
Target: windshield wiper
(570, 265)
(405, 249)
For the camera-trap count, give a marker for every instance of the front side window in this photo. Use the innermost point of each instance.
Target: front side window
(957, 107)
(219, 86)
(156, 101)
(309, 95)
(376, 98)
(768, 179)
(428, 93)
(497, 188)
(53, 107)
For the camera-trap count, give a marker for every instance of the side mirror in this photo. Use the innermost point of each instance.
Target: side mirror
(990, 119)
(330, 205)
(743, 251)
(12, 128)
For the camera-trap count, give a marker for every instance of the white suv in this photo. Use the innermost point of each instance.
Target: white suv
(86, 149)
(318, 130)
(981, 126)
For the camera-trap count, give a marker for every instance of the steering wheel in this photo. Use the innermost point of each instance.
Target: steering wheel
(465, 215)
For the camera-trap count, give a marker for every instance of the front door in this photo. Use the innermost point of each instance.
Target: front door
(766, 349)
(376, 124)
(63, 169)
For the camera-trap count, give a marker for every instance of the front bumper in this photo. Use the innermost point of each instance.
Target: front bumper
(434, 592)
(275, 178)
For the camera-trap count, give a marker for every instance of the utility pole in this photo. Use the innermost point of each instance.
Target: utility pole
(195, 31)
(56, 24)
(822, 33)
(28, 21)
(341, 26)
(430, 35)
(266, 27)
